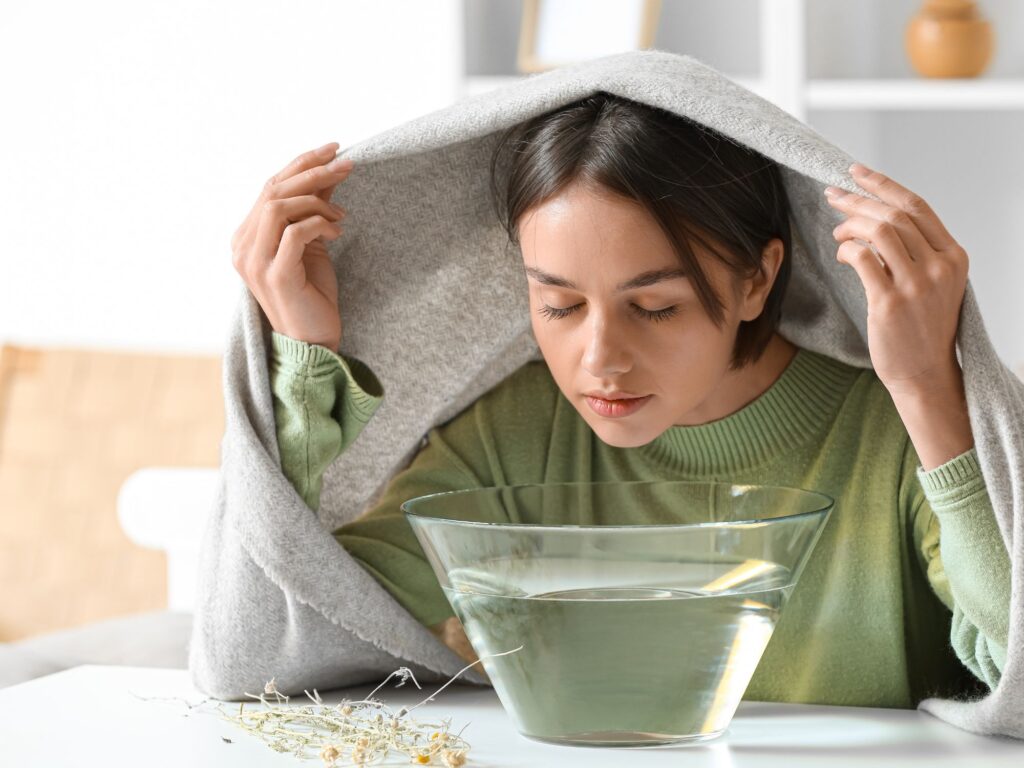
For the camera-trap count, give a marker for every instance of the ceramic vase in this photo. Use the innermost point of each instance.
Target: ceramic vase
(949, 38)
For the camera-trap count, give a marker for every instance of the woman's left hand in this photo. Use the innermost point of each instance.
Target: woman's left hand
(913, 299)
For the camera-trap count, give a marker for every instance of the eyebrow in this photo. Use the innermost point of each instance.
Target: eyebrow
(643, 280)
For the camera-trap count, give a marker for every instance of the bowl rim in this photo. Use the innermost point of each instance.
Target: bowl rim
(827, 504)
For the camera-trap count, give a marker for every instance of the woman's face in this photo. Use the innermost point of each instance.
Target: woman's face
(581, 251)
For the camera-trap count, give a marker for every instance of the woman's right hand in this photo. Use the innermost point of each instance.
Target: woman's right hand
(280, 251)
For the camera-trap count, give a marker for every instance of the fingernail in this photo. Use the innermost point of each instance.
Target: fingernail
(834, 191)
(323, 150)
(340, 163)
(859, 170)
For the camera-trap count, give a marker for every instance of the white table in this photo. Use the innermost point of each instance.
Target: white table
(93, 718)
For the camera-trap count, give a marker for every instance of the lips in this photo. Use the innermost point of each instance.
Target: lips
(617, 395)
(617, 408)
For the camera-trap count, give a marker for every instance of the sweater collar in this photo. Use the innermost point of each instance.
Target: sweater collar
(804, 398)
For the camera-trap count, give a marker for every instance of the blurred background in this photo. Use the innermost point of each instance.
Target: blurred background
(138, 135)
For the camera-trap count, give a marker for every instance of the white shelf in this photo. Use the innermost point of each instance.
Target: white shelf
(853, 94)
(959, 94)
(900, 93)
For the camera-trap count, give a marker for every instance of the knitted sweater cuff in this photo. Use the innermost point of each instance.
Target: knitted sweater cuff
(364, 388)
(954, 481)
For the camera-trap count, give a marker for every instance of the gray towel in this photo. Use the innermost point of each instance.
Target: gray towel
(278, 597)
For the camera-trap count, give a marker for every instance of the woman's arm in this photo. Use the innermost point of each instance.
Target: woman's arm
(322, 401)
(936, 418)
(468, 451)
(313, 394)
(960, 549)
(315, 424)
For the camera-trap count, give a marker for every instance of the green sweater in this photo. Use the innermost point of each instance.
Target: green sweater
(879, 617)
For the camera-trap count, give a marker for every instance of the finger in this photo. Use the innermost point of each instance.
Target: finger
(305, 161)
(886, 240)
(296, 237)
(303, 206)
(258, 211)
(931, 227)
(857, 205)
(313, 180)
(327, 192)
(271, 227)
(867, 266)
(302, 162)
(277, 214)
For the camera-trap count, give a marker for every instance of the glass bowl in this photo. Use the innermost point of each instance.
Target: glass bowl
(628, 613)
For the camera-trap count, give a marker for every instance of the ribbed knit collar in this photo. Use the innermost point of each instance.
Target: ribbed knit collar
(804, 399)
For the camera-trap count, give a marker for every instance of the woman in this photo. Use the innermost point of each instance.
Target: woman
(655, 254)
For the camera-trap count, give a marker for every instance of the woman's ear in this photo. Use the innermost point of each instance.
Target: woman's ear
(756, 289)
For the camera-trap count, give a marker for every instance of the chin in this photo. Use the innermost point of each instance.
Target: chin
(621, 436)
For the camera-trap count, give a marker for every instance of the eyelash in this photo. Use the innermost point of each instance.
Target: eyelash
(661, 314)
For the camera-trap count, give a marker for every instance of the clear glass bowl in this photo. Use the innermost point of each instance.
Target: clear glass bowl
(622, 633)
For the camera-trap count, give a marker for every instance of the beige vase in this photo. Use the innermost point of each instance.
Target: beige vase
(949, 38)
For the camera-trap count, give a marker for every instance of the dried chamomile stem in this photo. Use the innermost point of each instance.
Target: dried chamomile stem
(361, 732)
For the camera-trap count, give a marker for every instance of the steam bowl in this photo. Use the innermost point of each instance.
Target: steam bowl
(622, 633)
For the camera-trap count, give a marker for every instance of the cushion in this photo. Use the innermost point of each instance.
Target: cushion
(152, 639)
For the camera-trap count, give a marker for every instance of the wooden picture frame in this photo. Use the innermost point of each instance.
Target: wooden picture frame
(557, 32)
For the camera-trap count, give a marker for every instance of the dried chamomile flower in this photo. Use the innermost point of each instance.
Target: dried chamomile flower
(366, 729)
(329, 754)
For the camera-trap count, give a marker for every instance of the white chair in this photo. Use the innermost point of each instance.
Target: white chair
(165, 508)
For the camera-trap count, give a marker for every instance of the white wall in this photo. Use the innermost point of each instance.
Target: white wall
(137, 135)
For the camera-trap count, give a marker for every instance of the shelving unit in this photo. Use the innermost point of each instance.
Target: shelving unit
(840, 68)
(783, 77)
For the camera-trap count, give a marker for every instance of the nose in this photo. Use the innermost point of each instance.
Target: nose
(606, 355)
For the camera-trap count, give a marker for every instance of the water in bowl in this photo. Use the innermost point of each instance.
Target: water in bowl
(622, 653)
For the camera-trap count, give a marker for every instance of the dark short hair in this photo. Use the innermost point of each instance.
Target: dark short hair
(698, 184)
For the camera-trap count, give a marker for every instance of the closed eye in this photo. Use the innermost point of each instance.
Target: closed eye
(555, 313)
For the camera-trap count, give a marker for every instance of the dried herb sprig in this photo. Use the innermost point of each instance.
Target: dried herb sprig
(364, 731)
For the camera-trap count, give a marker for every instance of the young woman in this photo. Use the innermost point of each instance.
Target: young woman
(656, 256)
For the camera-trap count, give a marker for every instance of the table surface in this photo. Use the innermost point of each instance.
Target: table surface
(105, 712)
